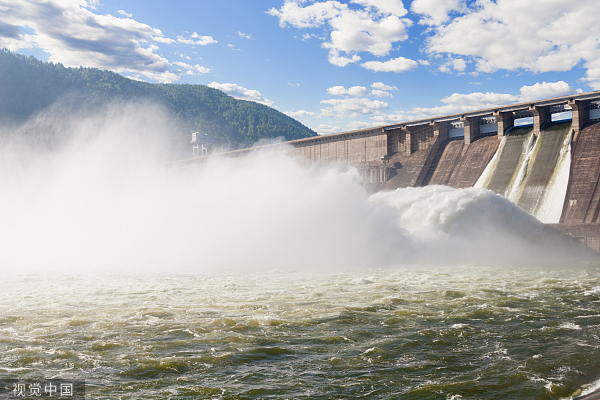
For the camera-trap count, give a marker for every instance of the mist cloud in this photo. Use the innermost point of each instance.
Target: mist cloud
(89, 191)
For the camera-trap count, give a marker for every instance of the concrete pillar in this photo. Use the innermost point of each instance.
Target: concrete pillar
(504, 121)
(471, 128)
(440, 129)
(393, 141)
(541, 115)
(386, 143)
(580, 115)
(409, 138)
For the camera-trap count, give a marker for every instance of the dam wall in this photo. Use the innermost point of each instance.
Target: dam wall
(410, 149)
(582, 201)
(544, 156)
(358, 147)
(548, 166)
(460, 165)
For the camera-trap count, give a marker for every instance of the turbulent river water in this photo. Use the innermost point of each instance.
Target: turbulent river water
(253, 277)
(401, 333)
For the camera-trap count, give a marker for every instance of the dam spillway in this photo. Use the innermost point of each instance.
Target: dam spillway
(527, 167)
(510, 158)
(406, 169)
(543, 163)
(459, 165)
(550, 167)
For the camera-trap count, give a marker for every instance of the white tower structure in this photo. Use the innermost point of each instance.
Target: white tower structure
(200, 144)
(195, 152)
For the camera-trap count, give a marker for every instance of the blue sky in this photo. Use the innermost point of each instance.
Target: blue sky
(333, 65)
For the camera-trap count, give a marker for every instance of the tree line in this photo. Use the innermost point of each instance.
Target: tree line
(28, 85)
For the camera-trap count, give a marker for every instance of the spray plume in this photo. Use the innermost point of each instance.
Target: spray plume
(88, 191)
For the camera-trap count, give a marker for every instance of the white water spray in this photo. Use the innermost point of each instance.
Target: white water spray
(488, 172)
(100, 199)
(551, 204)
(518, 184)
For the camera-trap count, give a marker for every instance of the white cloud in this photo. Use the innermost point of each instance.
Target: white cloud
(505, 35)
(545, 90)
(240, 92)
(380, 93)
(300, 113)
(385, 119)
(436, 12)
(163, 77)
(243, 35)
(337, 91)
(352, 107)
(477, 100)
(355, 125)
(397, 65)
(357, 91)
(75, 36)
(12, 39)
(193, 69)
(182, 64)
(393, 7)
(459, 103)
(355, 33)
(91, 4)
(456, 103)
(325, 129)
(353, 91)
(72, 34)
(339, 61)
(456, 64)
(373, 28)
(196, 40)
(165, 40)
(383, 86)
(313, 16)
(593, 73)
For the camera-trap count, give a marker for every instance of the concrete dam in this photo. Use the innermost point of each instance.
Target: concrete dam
(544, 156)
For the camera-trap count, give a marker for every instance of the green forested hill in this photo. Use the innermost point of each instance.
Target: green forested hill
(28, 85)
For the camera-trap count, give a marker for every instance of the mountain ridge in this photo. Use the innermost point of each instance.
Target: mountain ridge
(28, 85)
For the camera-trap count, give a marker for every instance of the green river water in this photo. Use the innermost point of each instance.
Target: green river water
(467, 332)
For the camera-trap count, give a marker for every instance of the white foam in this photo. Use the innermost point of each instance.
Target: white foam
(487, 174)
(551, 205)
(570, 325)
(514, 192)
